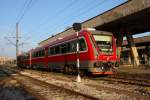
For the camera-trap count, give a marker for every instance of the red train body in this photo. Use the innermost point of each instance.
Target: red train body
(97, 54)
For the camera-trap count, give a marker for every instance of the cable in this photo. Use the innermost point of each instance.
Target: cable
(25, 9)
(22, 9)
(90, 8)
(71, 4)
(79, 9)
(26, 6)
(12, 26)
(58, 13)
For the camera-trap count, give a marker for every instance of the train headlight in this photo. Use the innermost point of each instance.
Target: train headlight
(103, 68)
(107, 58)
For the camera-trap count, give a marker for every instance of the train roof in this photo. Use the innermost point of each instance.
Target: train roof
(62, 39)
(100, 32)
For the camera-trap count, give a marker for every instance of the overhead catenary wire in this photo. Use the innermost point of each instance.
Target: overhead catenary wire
(25, 9)
(58, 13)
(19, 14)
(22, 10)
(77, 10)
(71, 4)
(26, 6)
(82, 12)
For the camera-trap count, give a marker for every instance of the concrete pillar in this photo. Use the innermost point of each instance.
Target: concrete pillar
(129, 58)
(133, 49)
(119, 44)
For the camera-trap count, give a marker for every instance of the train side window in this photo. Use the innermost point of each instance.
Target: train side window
(40, 53)
(68, 47)
(49, 51)
(73, 46)
(36, 54)
(52, 51)
(33, 54)
(43, 52)
(82, 45)
(57, 49)
(63, 48)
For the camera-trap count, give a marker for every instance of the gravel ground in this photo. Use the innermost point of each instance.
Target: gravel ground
(11, 90)
(100, 89)
(107, 92)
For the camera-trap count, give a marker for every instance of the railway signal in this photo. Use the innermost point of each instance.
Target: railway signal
(77, 28)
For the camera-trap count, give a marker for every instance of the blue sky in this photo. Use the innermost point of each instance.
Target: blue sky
(43, 18)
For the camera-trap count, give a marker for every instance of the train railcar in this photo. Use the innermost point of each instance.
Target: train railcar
(97, 53)
(24, 60)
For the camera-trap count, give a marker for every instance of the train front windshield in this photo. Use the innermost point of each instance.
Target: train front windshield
(104, 42)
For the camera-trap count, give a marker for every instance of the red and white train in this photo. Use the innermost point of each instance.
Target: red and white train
(97, 53)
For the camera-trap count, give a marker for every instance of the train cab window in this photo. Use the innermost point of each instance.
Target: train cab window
(26, 56)
(104, 42)
(82, 45)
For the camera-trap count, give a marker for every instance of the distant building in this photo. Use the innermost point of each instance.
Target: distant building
(6, 60)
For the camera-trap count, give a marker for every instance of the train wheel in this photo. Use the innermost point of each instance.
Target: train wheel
(83, 72)
(69, 70)
(75, 70)
(49, 70)
(65, 70)
(117, 64)
(34, 67)
(72, 70)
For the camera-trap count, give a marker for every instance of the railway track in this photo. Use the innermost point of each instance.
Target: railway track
(126, 81)
(10, 89)
(139, 82)
(43, 90)
(143, 90)
(103, 83)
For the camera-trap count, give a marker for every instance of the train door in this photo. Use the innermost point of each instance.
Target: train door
(71, 56)
(64, 56)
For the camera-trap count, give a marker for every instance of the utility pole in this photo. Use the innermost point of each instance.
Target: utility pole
(17, 42)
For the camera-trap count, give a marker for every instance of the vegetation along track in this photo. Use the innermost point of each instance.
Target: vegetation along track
(43, 90)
